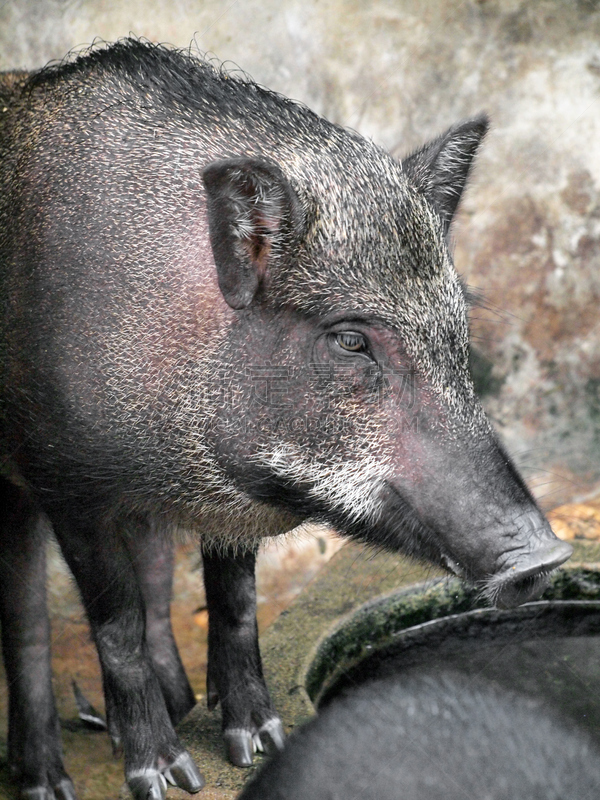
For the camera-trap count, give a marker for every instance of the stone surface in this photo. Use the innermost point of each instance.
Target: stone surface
(354, 577)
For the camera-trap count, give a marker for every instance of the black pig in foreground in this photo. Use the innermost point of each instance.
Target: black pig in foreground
(223, 313)
(432, 737)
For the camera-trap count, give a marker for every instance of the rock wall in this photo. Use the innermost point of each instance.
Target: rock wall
(399, 71)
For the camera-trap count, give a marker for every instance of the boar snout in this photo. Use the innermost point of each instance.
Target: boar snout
(527, 575)
(507, 549)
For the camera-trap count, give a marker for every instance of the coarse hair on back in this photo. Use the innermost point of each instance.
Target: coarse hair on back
(185, 78)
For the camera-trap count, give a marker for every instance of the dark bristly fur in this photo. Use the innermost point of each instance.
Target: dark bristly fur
(424, 735)
(222, 313)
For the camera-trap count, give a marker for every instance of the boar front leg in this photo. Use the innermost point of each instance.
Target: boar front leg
(102, 565)
(235, 676)
(153, 561)
(34, 747)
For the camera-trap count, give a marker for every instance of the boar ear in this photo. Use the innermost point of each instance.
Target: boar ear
(440, 168)
(252, 210)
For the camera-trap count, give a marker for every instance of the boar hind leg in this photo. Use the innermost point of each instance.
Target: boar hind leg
(34, 747)
(235, 675)
(153, 560)
(102, 565)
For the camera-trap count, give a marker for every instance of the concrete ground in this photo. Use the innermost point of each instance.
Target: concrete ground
(285, 567)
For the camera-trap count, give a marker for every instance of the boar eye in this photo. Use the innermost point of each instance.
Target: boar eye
(351, 341)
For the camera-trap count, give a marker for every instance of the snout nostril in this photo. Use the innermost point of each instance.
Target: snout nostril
(527, 579)
(543, 560)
